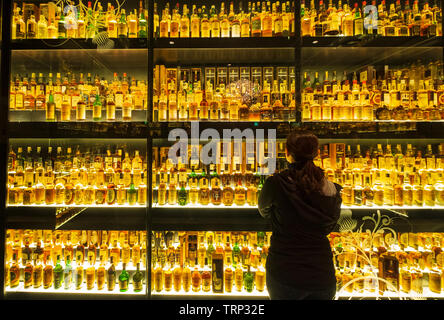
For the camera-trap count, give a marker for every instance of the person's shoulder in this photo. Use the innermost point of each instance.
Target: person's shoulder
(281, 174)
(329, 188)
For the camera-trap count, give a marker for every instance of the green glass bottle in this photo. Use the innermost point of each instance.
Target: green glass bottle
(259, 187)
(236, 255)
(210, 250)
(58, 274)
(248, 280)
(50, 108)
(131, 194)
(97, 109)
(260, 239)
(142, 25)
(61, 29)
(183, 196)
(123, 279)
(138, 280)
(122, 27)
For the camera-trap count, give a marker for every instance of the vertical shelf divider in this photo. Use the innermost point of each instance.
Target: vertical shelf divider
(149, 138)
(5, 65)
(298, 61)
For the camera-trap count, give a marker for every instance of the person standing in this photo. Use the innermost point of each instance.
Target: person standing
(303, 207)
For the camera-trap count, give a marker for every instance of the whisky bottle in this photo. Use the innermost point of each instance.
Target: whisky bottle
(206, 279)
(196, 280)
(205, 25)
(123, 279)
(238, 278)
(138, 279)
(111, 275)
(47, 275)
(27, 274)
(122, 26)
(185, 23)
(235, 21)
(37, 274)
(67, 273)
(97, 109)
(186, 277)
(203, 108)
(239, 194)
(214, 22)
(58, 274)
(224, 23)
(177, 278)
(14, 272)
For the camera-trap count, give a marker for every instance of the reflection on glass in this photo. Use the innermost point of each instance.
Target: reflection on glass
(67, 21)
(387, 18)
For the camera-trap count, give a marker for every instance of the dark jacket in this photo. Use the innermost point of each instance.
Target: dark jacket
(300, 253)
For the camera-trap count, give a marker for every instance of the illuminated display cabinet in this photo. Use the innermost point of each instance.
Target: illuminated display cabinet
(93, 204)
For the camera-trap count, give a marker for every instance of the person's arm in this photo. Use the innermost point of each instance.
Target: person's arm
(265, 201)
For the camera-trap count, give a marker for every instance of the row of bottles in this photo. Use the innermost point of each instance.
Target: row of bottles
(204, 262)
(224, 94)
(215, 262)
(76, 98)
(406, 175)
(406, 263)
(260, 19)
(53, 21)
(85, 177)
(57, 259)
(381, 18)
(235, 180)
(385, 177)
(414, 92)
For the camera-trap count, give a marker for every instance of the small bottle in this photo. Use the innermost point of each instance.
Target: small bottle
(97, 109)
(132, 194)
(31, 28)
(168, 277)
(37, 277)
(79, 275)
(101, 275)
(65, 114)
(90, 275)
(238, 278)
(28, 273)
(123, 279)
(138, 279)
(127, 109)
(50, 108)
(249, 280)
(48, 276)
(111, 275)
(58, 274)
(81, 110)
(14, 272)
(186, 278)
(110, 109)
(67, 273)
(158, 278)
(196, 280)
(42, 28)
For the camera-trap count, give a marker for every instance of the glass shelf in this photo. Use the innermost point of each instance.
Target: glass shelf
(78, 44)
(371, 41)
(20, 289)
